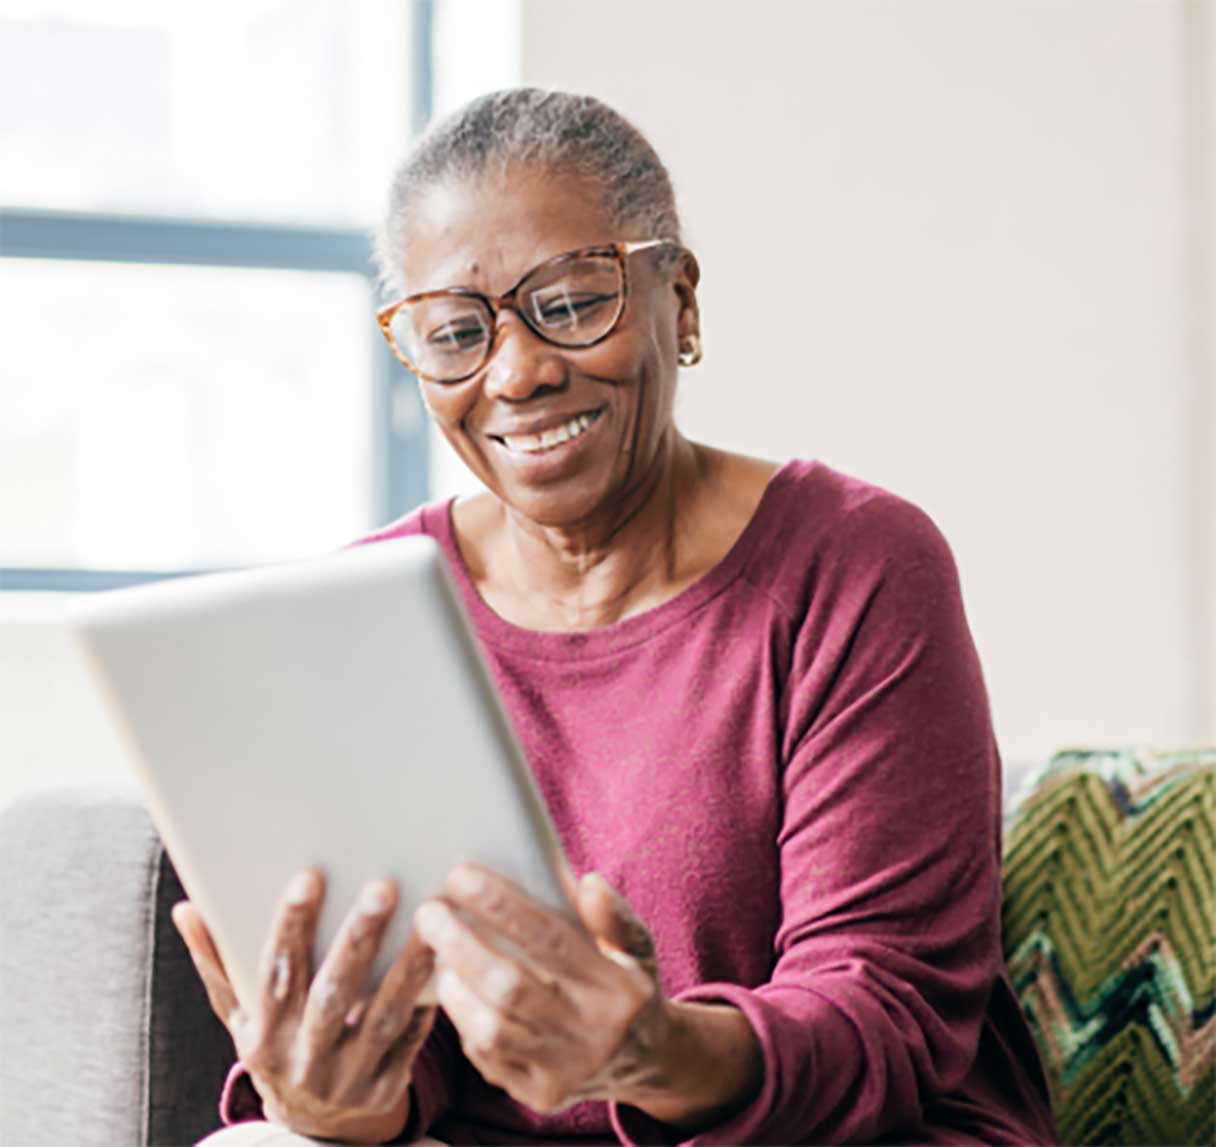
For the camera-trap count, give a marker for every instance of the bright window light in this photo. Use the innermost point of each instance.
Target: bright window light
(181, 417)
(268, 110)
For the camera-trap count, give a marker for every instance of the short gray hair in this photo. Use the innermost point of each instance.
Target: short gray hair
(555, 132)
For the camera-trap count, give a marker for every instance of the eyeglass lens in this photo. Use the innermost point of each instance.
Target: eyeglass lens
(569, 303)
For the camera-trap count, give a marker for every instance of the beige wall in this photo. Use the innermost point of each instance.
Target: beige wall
(946, 248)
(1201, 244)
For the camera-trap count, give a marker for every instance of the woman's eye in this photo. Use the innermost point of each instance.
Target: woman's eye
(570, 310)
(455, 336)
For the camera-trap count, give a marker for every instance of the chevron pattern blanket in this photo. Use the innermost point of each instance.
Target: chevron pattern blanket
(1109, 933)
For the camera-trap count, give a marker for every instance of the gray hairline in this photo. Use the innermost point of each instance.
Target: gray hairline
(551, 132)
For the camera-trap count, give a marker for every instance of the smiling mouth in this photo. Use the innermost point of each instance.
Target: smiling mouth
(549, 439)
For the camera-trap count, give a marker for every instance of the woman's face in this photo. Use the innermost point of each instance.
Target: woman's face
(485, 234)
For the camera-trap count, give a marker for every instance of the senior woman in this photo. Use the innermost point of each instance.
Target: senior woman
(748, 693)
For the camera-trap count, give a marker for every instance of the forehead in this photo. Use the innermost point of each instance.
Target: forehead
(485, 232)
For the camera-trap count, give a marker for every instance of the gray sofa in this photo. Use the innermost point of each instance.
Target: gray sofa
(106, 1038)
(100, 1007)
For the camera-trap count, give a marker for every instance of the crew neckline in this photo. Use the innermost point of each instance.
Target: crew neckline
(559, 645)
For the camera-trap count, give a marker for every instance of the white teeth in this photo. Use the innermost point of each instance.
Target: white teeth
(547, 439)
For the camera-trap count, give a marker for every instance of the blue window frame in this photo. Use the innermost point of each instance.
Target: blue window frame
(399, 456)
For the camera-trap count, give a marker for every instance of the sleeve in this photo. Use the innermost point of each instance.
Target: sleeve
(889, 853)
(239, 1100)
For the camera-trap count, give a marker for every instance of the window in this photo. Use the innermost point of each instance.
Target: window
(192, 375)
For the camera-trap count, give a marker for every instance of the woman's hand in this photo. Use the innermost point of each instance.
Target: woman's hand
(571, 1011)
(327, 1059)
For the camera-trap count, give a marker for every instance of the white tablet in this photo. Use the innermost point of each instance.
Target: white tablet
(333, 713)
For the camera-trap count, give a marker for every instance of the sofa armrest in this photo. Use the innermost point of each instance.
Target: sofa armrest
(105, 1031)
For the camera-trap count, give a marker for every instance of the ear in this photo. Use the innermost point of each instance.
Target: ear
(687, 275)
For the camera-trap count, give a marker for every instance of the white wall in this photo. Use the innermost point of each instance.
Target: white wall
(987, 231)
(945, 248)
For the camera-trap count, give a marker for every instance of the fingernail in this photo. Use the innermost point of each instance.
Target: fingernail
(596, 880)
(430, 920)
(377, 897)
(301, 888)
(466, 881)
(355, 1014)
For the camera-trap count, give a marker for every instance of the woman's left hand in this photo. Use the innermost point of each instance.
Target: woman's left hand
(570, 1010)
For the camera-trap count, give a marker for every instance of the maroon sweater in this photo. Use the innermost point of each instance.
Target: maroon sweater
(790, 772)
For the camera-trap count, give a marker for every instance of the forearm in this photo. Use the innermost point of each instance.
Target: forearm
(709, 1068)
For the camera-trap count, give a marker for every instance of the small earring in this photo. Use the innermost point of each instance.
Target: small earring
(690, 352)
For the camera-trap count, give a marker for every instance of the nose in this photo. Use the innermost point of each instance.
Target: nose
(521, 363)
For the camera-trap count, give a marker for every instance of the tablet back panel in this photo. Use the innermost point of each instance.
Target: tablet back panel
(333, 713)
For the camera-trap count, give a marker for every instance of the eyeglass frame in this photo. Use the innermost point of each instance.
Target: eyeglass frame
(496, 304)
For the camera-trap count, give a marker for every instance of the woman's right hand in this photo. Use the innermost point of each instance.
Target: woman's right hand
(327, 1059)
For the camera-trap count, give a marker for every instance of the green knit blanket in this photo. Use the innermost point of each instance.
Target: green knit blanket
(1110, 937)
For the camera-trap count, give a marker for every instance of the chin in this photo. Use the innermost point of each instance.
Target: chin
(554, 498)
(554, 508)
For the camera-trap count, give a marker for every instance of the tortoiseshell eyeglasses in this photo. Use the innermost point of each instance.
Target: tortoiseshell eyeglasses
(572, 300)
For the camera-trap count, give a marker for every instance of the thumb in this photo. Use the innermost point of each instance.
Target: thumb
(608, 917)
(209, 964)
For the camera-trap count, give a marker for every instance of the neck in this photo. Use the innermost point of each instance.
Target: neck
(600, 571)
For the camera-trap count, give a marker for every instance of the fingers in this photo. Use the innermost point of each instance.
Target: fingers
(550, 940)
(392, 1013)
(597, 906)
(208, 964)
(507, 985)
(498, 1045)
(486, 1031)
(539, 1068)
(546, 1005)
(340, 980)
(608, 916)
(287, 957)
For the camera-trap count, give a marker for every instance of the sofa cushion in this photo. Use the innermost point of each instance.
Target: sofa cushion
(189, 1049)
(105, 1032)
(1109, 922)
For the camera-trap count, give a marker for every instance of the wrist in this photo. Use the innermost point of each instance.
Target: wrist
(352, 1128)
(707, 1067)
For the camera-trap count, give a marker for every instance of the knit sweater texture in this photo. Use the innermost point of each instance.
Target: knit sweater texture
(789, 770)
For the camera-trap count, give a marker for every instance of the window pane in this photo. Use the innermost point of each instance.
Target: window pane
(259, 109)
(180, 417)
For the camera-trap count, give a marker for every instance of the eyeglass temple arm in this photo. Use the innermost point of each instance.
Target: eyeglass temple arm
(645, 245)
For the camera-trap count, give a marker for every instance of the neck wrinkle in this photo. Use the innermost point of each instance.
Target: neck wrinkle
(591, 581)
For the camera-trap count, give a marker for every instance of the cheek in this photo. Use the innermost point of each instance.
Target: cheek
(448, 410)
(448, 406)
(652, 372)
(637, 364)
(646, 385)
